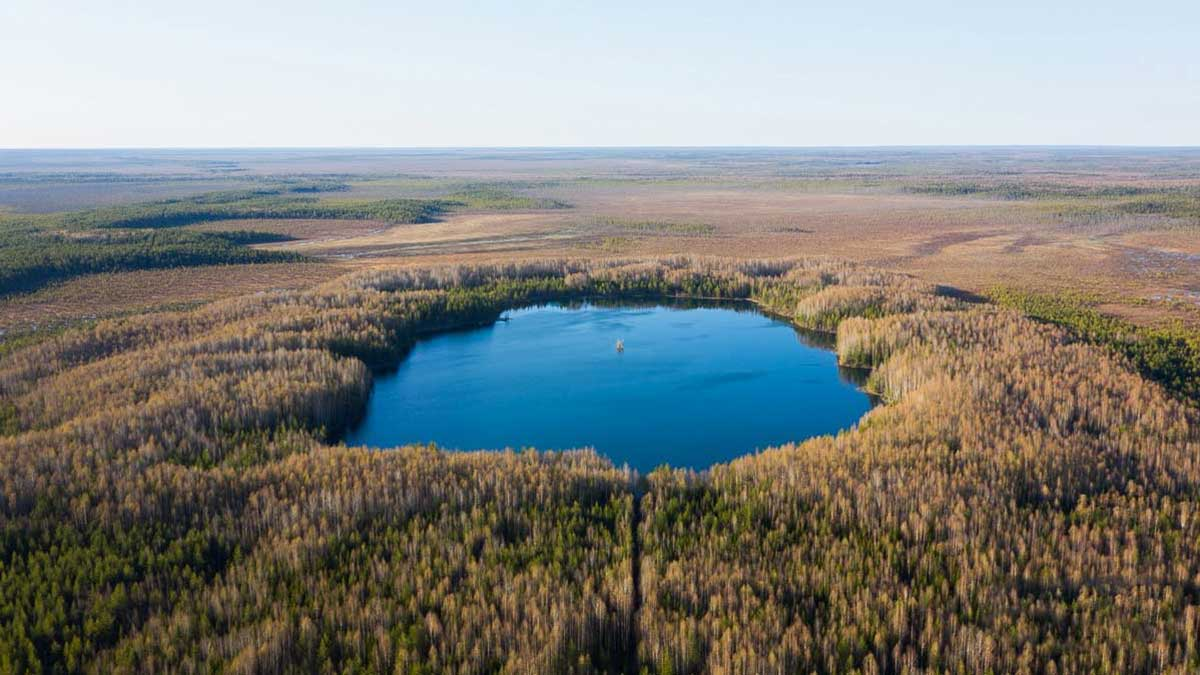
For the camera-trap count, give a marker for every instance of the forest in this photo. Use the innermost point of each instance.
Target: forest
(175, 498)
(30, 260)
(1169, 355)
(274, 203)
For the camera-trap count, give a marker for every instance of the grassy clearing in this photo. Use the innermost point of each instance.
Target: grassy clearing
(609, 244)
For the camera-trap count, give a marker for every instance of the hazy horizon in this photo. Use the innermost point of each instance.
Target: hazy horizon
(435, 148)
(381, 75)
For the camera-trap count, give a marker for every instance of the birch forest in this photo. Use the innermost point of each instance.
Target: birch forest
(174, 498)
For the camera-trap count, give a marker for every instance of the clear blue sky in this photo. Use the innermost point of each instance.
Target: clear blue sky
(374, 73)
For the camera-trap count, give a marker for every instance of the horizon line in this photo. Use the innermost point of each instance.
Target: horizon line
(602, 147)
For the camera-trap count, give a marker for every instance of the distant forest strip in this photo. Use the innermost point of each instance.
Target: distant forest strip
(1079, 201)
(252, 204)
(299, 200)
(172, 502)
(486, 197)
(30, 260)
(661, 227)
(1170, 356)
(1033, 190)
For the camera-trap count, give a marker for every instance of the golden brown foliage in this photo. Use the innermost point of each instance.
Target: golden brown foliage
(1024, 503)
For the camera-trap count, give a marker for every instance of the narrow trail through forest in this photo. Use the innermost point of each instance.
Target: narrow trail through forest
(631, 657)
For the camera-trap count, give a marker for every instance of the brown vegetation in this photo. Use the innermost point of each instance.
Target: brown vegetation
(1119, 224)
(1024, 503)
(105, 295)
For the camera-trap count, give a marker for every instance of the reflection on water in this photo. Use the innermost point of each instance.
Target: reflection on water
(697, 383)
(822, 340)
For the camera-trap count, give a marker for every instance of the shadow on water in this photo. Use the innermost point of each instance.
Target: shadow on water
(828, 341)
(732, 304)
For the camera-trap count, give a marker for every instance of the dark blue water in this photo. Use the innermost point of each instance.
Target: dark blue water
(693, 387)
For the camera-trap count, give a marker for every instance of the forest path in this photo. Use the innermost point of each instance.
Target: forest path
(631, 658)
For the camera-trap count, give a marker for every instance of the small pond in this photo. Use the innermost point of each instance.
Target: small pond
(694, 385)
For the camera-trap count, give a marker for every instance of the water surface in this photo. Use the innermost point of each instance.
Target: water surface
(693, 387)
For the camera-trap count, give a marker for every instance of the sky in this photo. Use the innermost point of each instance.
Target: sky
(371, 73)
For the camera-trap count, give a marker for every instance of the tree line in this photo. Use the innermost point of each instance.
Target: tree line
(30, 260)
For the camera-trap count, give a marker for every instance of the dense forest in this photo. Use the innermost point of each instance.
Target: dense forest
(31, 259)
(275, 203)
(173, 499)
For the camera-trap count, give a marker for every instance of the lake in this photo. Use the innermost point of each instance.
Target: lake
(694, 386)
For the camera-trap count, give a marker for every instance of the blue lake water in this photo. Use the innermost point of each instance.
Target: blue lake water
(693, 387)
